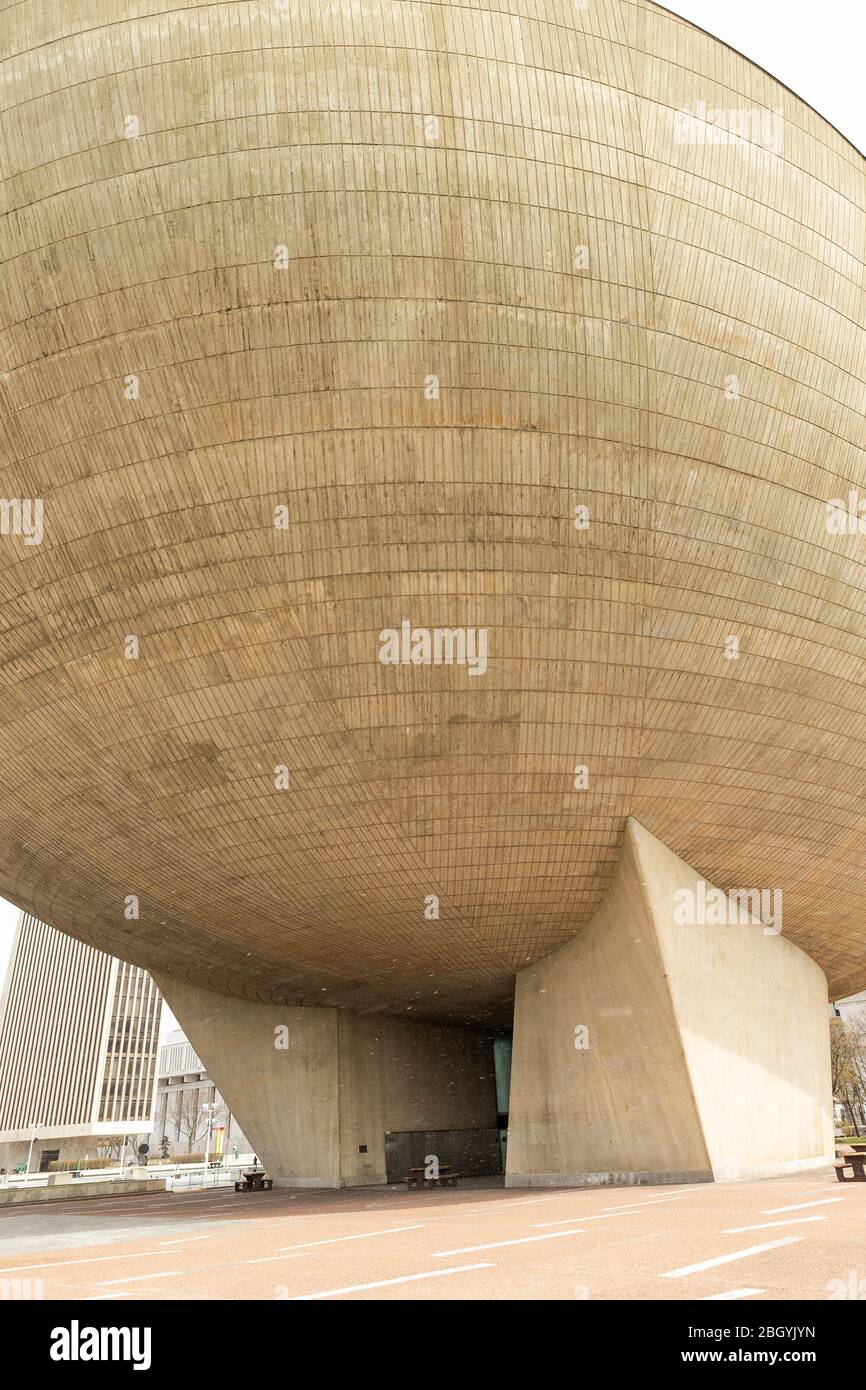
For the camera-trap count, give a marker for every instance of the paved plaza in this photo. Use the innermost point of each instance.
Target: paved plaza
(782, 1238)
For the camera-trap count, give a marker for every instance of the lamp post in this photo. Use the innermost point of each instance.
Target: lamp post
(30, 1150)
(210, 1107)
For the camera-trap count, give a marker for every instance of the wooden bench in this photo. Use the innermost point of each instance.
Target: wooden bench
(855, 1159)
(255, 1182)
(418, 1177)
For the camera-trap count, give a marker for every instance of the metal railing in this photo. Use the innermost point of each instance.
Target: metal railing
(178, 1176)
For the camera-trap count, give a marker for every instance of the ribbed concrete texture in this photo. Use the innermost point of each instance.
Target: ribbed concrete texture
(312, 1087)
(322, 318)
(654, 1050)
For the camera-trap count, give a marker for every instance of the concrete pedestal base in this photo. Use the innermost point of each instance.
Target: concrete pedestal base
(312, 1088)
(647, 1051)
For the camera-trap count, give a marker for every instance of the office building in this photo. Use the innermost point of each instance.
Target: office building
(78, 1041)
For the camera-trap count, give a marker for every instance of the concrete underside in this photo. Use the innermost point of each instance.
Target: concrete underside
(707, 1049)
(707, 1057)
(311, 1087)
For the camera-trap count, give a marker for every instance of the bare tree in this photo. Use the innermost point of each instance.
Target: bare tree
(109, 1145)
(848, 1067)
(190, 1116)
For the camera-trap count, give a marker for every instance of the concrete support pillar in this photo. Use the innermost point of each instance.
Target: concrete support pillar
(654, 1048)
(313, 1087)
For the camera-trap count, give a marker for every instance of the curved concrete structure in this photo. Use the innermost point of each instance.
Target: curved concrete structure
(650, 1050)
(323, 319)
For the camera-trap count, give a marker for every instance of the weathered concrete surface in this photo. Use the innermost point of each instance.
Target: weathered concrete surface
(514, 202)
(69, 1192)
(708, 1046)
(338, 1084)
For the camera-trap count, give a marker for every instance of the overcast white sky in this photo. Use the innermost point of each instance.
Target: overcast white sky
(816, 50)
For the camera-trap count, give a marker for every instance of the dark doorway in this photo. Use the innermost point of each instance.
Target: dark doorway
(471, 1152)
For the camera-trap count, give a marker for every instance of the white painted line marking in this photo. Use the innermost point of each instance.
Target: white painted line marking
(650, 1202)
(482, 1208)
(139, 1278)
(530, 1201)
(188, 1240)
(497, 1244)
(801, 1206)
(90, 1260)
(383, 1283)
(261, 1260)
(725, 1259)
(100, 1297)
(732, 1293)
(606, 1212)
(569, 1220)
(199, 1269)
(765, 1225)
(364, 1235)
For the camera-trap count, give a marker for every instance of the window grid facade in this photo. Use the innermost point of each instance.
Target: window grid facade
(79, 1032)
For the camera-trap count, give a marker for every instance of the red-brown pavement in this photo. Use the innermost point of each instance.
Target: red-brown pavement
(480, 1242)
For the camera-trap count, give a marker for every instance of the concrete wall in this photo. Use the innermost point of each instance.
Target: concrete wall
(399, 1075)
(753, 1015)
(343, 1080)
(708, 1046)
(624, 1105)
(78, 1189)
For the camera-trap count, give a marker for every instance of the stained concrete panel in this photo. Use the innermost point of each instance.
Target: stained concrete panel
(707, 1046)
(342, 1081)
(285, 1099)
